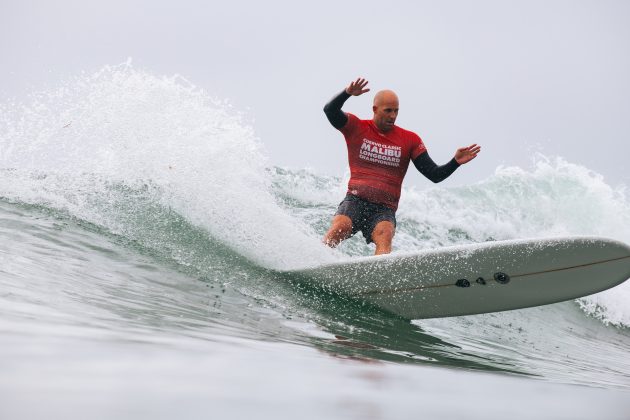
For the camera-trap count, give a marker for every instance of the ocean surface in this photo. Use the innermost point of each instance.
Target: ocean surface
(141, 231)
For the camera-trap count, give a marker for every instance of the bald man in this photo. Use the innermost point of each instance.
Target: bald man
(379, 153)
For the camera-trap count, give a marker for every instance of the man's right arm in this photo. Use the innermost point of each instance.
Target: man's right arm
(333, 111)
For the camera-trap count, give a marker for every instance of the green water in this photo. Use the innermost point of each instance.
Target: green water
(93, 325)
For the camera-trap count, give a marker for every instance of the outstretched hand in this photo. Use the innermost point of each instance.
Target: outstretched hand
(466, 154)
(357, 87)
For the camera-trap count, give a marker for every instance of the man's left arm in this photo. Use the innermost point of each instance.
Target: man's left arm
(436, 173)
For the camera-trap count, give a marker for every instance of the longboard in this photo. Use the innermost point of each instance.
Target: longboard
(478, 278)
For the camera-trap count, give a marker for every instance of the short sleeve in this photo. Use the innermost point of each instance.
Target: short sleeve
(417, 146)
(351, 125)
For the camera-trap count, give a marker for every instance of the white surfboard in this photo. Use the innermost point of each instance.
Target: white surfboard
(479, 278)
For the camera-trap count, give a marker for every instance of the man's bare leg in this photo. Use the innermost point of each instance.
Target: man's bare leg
(382, 236)
(340, 230)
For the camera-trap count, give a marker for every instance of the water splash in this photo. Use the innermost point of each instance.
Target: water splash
(192, 153)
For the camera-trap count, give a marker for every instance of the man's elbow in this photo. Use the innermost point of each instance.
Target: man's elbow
(431, 177)
(435, 179)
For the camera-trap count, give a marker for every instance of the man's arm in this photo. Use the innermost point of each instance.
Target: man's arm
(436, 173)
(333, 111)
(431, 170)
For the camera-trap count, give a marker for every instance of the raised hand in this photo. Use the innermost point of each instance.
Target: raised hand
(466, 154)
(357, 87)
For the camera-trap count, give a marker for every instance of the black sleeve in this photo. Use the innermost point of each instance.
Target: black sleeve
(333, 111)
(435, 173)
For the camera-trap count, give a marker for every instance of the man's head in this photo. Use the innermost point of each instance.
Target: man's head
(385, 110)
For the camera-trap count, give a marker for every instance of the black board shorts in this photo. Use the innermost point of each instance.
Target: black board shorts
(365, 215)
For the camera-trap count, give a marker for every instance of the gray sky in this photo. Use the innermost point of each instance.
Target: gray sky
(515, 76)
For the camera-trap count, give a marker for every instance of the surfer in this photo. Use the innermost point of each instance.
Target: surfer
(379, 153)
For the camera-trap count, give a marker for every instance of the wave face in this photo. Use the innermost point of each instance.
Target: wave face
(147, 208)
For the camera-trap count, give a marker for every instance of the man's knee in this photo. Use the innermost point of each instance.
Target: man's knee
(340, 229)
(382, 236)
(383, 230)
(341, 223)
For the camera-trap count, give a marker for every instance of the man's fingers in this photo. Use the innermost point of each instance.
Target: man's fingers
(468, 153)
(357, 87)
(360, 82)
(473, 148)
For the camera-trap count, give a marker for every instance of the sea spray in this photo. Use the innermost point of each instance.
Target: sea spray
(189, 152)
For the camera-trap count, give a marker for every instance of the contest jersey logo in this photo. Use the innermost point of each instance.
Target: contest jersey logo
(384, 154)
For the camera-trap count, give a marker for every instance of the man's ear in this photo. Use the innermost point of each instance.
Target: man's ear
(374, 107)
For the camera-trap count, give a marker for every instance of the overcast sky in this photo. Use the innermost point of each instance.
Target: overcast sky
(518, 77)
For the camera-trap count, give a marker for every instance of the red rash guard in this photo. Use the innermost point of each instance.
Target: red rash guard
(378, 161)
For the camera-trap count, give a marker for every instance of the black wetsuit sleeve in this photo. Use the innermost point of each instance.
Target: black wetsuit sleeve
(333, 111)
(431, 170)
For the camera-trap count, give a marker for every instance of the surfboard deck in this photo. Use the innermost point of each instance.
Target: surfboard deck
(478, 278)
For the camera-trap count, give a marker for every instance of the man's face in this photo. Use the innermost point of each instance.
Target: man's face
(385, 113)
